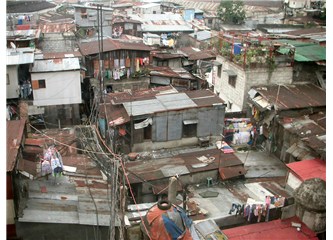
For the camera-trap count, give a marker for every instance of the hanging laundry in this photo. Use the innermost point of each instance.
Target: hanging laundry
(128, 62)
(122, 63)
(137, 66)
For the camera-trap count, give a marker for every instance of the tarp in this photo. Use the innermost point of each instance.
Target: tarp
(305, 52)
(169, 224)
(143, 124)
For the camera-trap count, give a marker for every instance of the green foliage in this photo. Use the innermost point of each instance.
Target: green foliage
(232, 12)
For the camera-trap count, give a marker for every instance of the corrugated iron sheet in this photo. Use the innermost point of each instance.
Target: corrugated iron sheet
(112, 45)
(293, 96)
(15, 131)
(52, 55)
(57, 27)
(231, 172)
(16, 58)
(140, 171)
(53, 65)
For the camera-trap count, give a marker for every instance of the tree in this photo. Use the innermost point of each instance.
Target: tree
(230, 11)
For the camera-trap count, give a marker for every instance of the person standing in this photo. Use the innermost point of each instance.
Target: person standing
(56, 165)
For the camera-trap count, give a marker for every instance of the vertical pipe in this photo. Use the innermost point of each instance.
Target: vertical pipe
(172, 190)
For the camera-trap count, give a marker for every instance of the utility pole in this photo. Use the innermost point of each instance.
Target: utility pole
(100, 47)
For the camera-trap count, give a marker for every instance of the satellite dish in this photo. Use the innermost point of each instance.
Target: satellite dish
(13, 45)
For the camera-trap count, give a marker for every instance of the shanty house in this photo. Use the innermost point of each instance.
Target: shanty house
(124, 62)
(87, 20)
(161, 118)
(56, 86)
(292, 120)
(122, 25)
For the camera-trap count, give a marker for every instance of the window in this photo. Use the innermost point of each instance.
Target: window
(232, 81)
(147, 133)
(8, 82)
(232, 76)
(210, 21)
(219, 70)
(37, 84)
(190, 128)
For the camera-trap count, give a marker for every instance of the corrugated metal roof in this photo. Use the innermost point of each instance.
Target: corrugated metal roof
(281, 229)
(149, 5)
(16, 58)
(143, 107)
(166, 28)
(201, 35)
(150, 103)
(307, 169)
(206, 54)
(57, 27)
(15, 131)
(69, 201)
(23, 35)
(52, 55)
(293, 96)
(231, 172)
(112, 45)
(162, 55)
(53, 65)
(304, 52)
(152, 169)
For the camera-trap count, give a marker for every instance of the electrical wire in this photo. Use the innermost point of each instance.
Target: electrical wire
(128, 182)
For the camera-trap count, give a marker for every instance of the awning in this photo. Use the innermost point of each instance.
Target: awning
(230, 73)
(230, 172)
(143, 124)
(187, 122)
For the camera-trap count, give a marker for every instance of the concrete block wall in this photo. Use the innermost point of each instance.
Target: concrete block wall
(245, 80)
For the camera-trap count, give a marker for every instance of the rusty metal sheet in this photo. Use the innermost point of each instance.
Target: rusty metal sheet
(88, 48)
(293, 96)
(15, 130)
(231, 172)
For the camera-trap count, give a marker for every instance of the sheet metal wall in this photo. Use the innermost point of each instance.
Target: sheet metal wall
(168, 126)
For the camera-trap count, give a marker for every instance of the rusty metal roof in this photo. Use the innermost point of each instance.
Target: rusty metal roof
(293, 96)
(204, 98)
(57, 27)
(112, 45)
(140, 171)
(15, 131)
(52, 55)
(121, 97)
(162, 55)
(137, 103)
(202, 55)
(171, 72)
(231, 172)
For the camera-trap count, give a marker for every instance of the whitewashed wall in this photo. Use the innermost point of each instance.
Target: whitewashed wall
(61, 88)
(13, 87)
